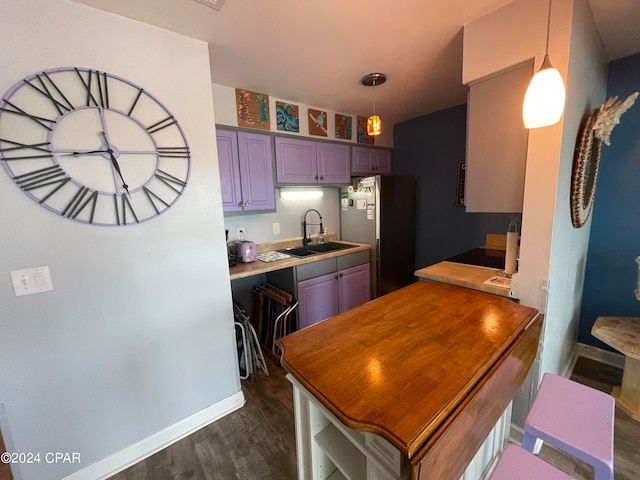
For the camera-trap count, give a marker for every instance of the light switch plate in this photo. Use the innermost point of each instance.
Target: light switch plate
(31, 280)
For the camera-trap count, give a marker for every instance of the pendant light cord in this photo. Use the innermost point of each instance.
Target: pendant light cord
(374, 96)
(548, 27)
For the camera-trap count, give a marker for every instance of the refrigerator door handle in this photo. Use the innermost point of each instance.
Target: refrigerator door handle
(377, 267)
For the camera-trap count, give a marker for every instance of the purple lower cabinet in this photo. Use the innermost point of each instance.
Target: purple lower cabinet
(353, 287)
(317, 299)
(323, 297)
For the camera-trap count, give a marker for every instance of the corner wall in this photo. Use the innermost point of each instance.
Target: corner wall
(586, 85)
(614, 244)
(429, 148)
(552, 253)
(138, 333)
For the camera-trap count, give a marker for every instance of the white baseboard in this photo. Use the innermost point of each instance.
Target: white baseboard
(132, 454)
(604, 356)
(568, 368)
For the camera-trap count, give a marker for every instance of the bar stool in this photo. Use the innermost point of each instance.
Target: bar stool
(518, 463)
(575, 419)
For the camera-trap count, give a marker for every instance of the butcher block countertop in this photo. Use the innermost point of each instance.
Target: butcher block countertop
(243, 270)
(408, 366)
(469, 276)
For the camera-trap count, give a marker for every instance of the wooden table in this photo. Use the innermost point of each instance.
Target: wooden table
(623, 334)
(429, 368)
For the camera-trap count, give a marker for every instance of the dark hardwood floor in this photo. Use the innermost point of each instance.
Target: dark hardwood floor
(258, 441)
(255, 442)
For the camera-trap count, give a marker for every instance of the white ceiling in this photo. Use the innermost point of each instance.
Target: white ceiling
(316, 51)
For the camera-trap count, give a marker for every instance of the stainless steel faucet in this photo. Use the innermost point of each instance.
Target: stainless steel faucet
(306, 240)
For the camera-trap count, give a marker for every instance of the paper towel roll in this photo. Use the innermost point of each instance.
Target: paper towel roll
(511, 253)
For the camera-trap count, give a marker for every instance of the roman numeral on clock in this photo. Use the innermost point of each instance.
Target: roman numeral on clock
(80, 201)
(61, 103)
(164, 123)
(173, 152)
(96, 86)
(153, 198)
(135, 102)
(124, 207)
(43, 177)
(169, 180)
(47, 123)
(24, 148)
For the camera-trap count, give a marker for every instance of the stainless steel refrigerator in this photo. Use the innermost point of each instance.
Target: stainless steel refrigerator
(381, 211)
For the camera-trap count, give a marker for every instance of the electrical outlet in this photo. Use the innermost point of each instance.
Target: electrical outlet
(276, 229)
(241, 234)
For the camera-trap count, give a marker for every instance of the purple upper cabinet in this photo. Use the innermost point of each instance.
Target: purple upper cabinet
(306, 162)
(296, 161)
(256, 171)
(383, 161)
(246, 171)
(370, 161)
(333, 163)
(229, 171)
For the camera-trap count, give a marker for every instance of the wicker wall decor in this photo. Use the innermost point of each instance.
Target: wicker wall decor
(586, 161)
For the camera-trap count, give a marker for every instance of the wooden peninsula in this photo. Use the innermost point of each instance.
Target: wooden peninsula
(409, 385)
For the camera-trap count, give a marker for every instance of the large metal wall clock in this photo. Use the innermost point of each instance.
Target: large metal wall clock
(93, 147)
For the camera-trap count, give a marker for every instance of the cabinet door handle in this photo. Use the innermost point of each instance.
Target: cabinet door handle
(321, 177)
(247, 203)
(336, 277)
(316, 177)
(240, 203)
(341, 275)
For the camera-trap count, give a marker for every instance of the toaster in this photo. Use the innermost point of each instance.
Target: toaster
(246, 251)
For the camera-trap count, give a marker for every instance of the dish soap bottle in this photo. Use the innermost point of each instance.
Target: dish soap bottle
(321, 236)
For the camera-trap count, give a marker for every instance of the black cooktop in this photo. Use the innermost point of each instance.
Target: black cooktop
(483, 257)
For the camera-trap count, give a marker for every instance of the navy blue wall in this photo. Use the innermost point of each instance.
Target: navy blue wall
(614, 243)
(429, 148)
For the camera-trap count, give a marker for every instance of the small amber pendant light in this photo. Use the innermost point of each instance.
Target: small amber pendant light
(374, 124)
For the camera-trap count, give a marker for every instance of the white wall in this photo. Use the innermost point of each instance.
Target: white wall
(225, 105)
(137, 334)
(551, 252)
(586, 89)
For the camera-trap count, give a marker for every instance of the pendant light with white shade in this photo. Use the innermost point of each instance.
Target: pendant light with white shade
(544, 100)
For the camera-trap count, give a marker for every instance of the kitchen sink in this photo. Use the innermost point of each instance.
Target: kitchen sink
(298, 251)
(330, 247)
(316, 249)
